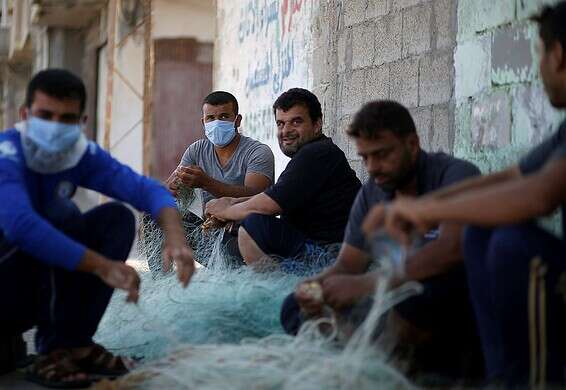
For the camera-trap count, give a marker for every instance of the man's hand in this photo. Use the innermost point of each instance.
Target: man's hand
(119, 275)
(398, 219)
(341, 291)
(310, 304)
(193, 176)
(215, 207)
(176, 251)
(172, 183)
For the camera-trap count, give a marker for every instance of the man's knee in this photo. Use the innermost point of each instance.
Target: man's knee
(121, 216)
(254, 229)
(507, 248)
(290, 315)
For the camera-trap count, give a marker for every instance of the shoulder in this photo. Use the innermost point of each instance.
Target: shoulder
(199, 145)
(322, 146)
(10, 146)
(450, 167)
(252, 146)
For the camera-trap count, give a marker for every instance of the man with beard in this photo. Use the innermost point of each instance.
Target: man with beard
(386, 139)
(313, 195)
(516, 269)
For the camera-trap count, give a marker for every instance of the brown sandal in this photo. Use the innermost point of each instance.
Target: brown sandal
(54, 370)
(101, 363)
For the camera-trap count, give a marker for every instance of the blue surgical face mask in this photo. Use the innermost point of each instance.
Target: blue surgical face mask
(220, 133)
(52, 137)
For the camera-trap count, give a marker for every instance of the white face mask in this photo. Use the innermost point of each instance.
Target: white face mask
(42, 161)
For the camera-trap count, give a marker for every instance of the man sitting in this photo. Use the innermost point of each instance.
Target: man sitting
(386, 139)
(313, 195)
(58, 266)
(224, 163)
(516, 270)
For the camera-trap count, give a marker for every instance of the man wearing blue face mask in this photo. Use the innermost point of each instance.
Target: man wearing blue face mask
(58, 266)
(224, 163)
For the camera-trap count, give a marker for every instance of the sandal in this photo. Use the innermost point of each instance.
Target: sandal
(54, 370)
(101, 363)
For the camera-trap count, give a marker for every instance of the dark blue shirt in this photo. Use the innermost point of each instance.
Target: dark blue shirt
(434, 171)
(316, 191)
(554, 147)
(25, 197)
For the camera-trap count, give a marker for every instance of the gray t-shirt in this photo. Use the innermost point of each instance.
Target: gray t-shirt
(250, 156)
(434, 170)
(554, 147)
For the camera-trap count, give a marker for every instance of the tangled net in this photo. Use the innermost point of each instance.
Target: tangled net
(223, 331)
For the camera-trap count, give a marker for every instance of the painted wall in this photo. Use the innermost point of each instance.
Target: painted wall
(263, 48)
(467, 69)
(348, 53)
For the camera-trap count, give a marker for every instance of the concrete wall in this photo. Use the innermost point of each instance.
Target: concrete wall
(387, 49)
(467, 69)
(263, 48)
(347, 52)
(501, 106)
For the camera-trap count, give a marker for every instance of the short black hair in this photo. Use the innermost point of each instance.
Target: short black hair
(382, 115)
(217, 98)
(552, 24)
(58, 83)
(299, 96)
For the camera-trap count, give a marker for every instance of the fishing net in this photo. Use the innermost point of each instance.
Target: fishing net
(223, 330)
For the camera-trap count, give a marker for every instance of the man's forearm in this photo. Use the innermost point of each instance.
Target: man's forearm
(220, 190)
(91, 262)
(170, 222)
(434, 258)
(512, 202)
(475, 183)
(257, 204)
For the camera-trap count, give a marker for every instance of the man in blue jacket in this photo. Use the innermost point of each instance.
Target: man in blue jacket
(58, 266)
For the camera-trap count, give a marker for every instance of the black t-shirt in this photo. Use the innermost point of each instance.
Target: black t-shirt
(316, 191)
(434, 170)
(554, 147)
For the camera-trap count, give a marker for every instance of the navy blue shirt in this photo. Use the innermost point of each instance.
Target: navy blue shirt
(25, 197)
(554, 147)
(316, 191)
(434, 171)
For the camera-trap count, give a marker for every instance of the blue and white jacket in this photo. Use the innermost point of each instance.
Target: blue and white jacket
(25, 196)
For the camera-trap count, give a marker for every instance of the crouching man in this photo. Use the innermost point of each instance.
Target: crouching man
(58, 266)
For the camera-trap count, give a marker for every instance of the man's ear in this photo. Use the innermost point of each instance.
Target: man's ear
(84, 119)
(24, 112)
(238, 121)
(318, 125)
(413, 143)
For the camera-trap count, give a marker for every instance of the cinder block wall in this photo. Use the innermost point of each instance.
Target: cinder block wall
(389, 49)
(501, 108)
(467, 70)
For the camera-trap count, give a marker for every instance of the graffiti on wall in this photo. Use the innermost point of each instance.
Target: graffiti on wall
(264, 49)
